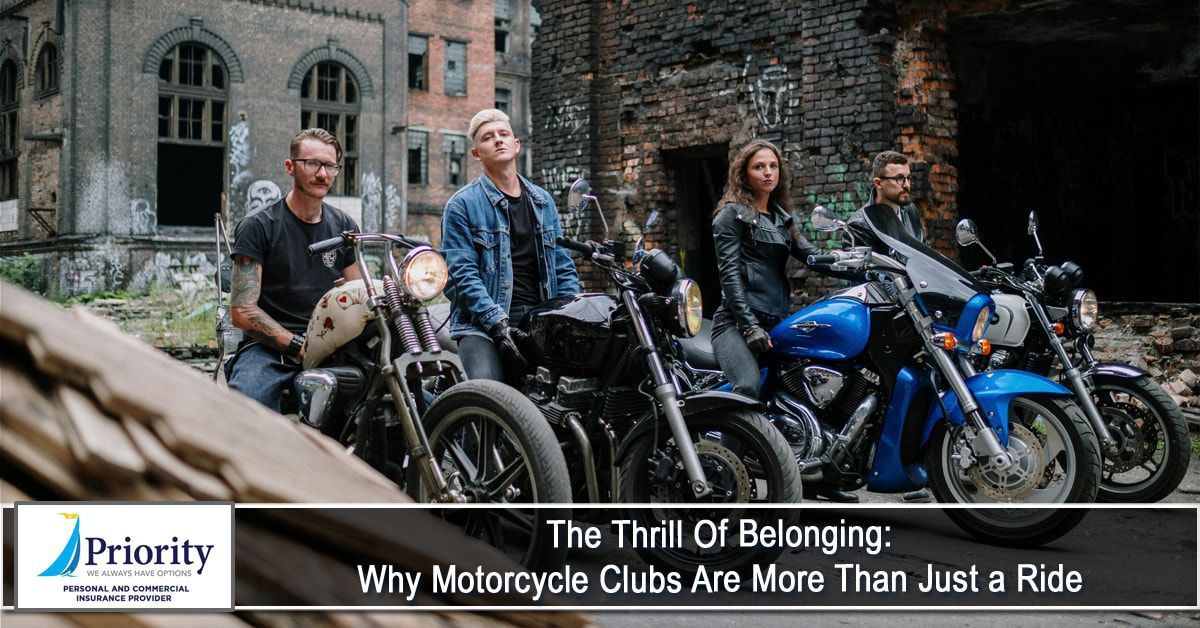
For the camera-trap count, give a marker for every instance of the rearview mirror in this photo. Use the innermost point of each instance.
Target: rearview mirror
(825, 220)
(966, 233)
(578, 196)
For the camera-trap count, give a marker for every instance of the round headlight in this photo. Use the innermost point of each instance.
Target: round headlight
(1085, 309)
(690, 306)
(424, 273)
(981, 324)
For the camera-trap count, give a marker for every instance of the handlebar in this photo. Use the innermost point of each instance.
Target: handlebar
(325, 246)
(586, 248)
(813, 260)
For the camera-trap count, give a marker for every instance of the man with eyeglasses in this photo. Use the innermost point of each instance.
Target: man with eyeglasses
(892, 185)
(276, 283)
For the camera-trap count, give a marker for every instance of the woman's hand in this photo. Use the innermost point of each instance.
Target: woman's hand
(757, 339)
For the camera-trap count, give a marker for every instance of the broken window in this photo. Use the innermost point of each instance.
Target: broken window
(503, 24)
(418, 62)
(504, 100)
(329, 100)
(456, 68)
(47, 70)
(191, 135)
(418, 157)
(455, 147)
(8, 130)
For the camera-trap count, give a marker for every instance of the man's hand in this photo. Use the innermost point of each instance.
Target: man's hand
(757, 339)
(503, 336)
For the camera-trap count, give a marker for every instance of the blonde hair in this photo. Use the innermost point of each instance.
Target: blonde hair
(484, 117)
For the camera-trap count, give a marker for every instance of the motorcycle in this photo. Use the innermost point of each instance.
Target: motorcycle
(604, 374)
(1143, 434)
(369, 345)
(864, 386)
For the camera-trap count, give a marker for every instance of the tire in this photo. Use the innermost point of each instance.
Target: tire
(1152, 434)
(1065, 470)
(518, 433)
(731, 444)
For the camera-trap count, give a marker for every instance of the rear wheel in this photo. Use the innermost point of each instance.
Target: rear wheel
(1055, 461)
(745, 459)
(1153, 447)
(495, 447)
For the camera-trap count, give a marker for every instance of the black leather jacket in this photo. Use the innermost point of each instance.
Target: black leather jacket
(752, 255)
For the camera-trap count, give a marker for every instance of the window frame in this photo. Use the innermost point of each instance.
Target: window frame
(448, 141)
(446, 78)
(48, 68)
(423, 66)
(213, 125)
(422, 164)
(10, 105)
(346, 111)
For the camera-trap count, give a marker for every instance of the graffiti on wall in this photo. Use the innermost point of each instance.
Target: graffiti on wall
(773, 93)
(260, 194)
(92, 271)
(143, 218)
(371, 191)
(567, 117)
(239, 153)
(189, 271)
(393, 204)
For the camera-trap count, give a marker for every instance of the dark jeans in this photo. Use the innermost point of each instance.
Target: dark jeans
(260, 373)
(737, 361)
(482, 360)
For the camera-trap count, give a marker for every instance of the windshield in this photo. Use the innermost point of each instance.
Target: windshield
(942, 284)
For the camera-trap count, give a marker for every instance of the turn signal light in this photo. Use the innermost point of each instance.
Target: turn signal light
(1058, 328)
(985, 347)
(945, 340)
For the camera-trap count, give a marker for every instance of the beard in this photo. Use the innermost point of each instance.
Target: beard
(311, 188)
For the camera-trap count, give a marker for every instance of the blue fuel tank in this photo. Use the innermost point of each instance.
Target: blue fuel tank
(832, 329)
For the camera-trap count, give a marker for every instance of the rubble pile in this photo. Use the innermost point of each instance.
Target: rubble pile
(1163, 339)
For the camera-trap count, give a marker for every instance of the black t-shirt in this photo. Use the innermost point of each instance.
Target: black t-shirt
(526, 270)
(292, 280)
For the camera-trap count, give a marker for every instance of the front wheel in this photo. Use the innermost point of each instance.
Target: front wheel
(495, 447)
(1056, 460)
(1153, 447)
(745, 459)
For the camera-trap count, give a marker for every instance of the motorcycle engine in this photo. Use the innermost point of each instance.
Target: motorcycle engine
(815, 403)
(556, 396)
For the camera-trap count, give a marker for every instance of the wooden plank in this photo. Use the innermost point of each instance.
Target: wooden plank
(200, 485)
(28, 412)
(54, 475)
(97, 440)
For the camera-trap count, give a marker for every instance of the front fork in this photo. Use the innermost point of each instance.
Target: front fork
(668, 397)
(984, 441)
(1083, 391)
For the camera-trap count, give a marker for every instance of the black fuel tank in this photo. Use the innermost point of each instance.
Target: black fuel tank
(571, 332)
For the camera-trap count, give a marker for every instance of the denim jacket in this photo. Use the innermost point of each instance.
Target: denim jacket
(478, 251)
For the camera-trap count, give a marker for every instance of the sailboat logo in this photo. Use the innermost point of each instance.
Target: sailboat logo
(68, 558)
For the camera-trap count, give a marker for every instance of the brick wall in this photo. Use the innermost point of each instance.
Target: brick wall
(435, 112)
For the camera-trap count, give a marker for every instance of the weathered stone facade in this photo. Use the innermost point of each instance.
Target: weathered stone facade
(1163, 339)
(90, 154)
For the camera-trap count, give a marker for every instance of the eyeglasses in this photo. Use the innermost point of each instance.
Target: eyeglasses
(900, 179)
(313, 166)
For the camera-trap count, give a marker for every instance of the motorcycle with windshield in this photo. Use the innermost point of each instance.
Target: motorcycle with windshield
(369, 346)
(1143, 434)
(864, 385)
(604, 373)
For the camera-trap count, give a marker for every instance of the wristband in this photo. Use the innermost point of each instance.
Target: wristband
(294, 347)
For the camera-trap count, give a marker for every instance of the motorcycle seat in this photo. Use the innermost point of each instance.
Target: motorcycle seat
(439, 315)
(698, 350)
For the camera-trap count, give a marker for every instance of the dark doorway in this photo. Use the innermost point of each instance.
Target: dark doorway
(1092, 119)
(700, 173)
(189, 184)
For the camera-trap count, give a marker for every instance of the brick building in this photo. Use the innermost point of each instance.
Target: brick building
(463, 57)
(1085, 111)
(128, 125)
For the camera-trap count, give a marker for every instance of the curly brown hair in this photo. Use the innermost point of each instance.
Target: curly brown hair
(737, 184)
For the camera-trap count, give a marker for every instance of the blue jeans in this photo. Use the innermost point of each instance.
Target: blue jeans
(260, 373)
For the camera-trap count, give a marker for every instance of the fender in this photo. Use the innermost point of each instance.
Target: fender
(1117, 369)
(693, 402)
(993, 390)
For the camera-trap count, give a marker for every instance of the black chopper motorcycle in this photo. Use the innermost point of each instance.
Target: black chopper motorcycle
(605, 376)
(1041, 314)
(369, 345)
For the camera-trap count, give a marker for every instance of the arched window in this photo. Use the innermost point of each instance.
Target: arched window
(329, 99)
(47, 70)
(8, 129)
(191, 135)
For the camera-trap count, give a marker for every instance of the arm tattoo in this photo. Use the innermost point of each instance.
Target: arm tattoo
(245, 287)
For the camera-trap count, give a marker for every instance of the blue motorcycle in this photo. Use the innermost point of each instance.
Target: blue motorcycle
(866, 386)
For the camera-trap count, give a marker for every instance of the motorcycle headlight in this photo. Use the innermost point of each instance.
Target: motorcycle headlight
(424, 273)
(690, 306)
(981, 323)
(1085, 309)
